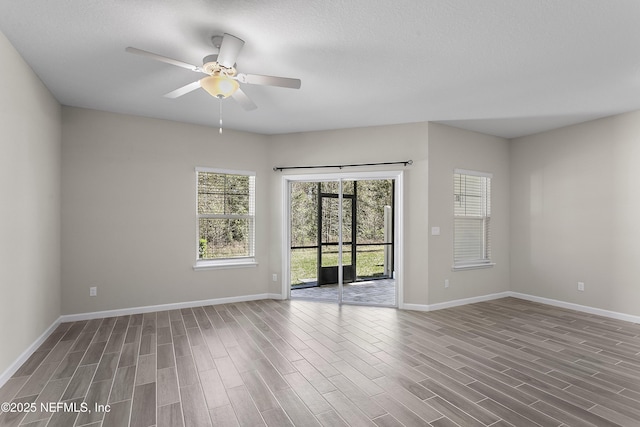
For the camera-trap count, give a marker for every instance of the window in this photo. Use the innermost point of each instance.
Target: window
(225, 218)
(472, 219)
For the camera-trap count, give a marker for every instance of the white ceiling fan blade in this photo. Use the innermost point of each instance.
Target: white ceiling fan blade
(183, 90)
(229, 50)
(163, 59)
(242, 99)
(257, 79)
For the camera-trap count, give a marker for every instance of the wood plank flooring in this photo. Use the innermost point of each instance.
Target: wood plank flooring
(283, 363)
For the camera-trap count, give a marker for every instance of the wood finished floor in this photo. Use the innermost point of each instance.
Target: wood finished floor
(281, 363)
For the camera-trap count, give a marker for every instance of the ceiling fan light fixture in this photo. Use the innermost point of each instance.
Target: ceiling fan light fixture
(223, 79)
(220, 86)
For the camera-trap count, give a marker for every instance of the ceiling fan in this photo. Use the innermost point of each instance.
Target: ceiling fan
(222, 78)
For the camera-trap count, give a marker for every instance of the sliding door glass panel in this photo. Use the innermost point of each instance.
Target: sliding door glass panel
(373, 242)
(314, 233)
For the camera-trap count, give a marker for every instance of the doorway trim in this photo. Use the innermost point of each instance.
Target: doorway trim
(396, 175)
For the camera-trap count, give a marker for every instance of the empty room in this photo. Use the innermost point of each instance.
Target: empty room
(246, 213)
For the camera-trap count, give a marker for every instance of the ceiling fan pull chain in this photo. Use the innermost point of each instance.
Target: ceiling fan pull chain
(220, 116)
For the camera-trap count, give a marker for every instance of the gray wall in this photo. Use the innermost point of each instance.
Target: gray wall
(129, 197)
(449, 149)
(575, 209)
(29, 208)
(128, 210)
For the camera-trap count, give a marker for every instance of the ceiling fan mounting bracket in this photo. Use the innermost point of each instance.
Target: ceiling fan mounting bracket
(210, 58)
(216, 41)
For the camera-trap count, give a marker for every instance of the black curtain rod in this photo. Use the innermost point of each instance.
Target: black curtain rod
(281, 168)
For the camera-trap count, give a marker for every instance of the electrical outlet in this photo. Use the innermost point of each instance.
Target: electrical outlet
(93, 291)
(274, 277)
(581, 286)
(446, 283)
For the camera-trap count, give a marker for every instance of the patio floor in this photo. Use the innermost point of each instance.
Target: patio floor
(374, 292)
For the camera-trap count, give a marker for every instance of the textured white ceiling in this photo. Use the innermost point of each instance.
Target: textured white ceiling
(503, 67)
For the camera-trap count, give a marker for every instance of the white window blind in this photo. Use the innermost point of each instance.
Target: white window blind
(225, 214)
(472, 219)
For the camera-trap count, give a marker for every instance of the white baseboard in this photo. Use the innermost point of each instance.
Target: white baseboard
(577, 307)
(454, 303)
(571, 306)
(414, 307)
(465, 301)
(13, 368)
(164, 307)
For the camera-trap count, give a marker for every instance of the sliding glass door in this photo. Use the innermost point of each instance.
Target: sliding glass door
(342, 240)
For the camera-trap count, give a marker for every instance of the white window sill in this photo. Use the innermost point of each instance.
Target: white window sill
(472, 266)
(224, 264)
